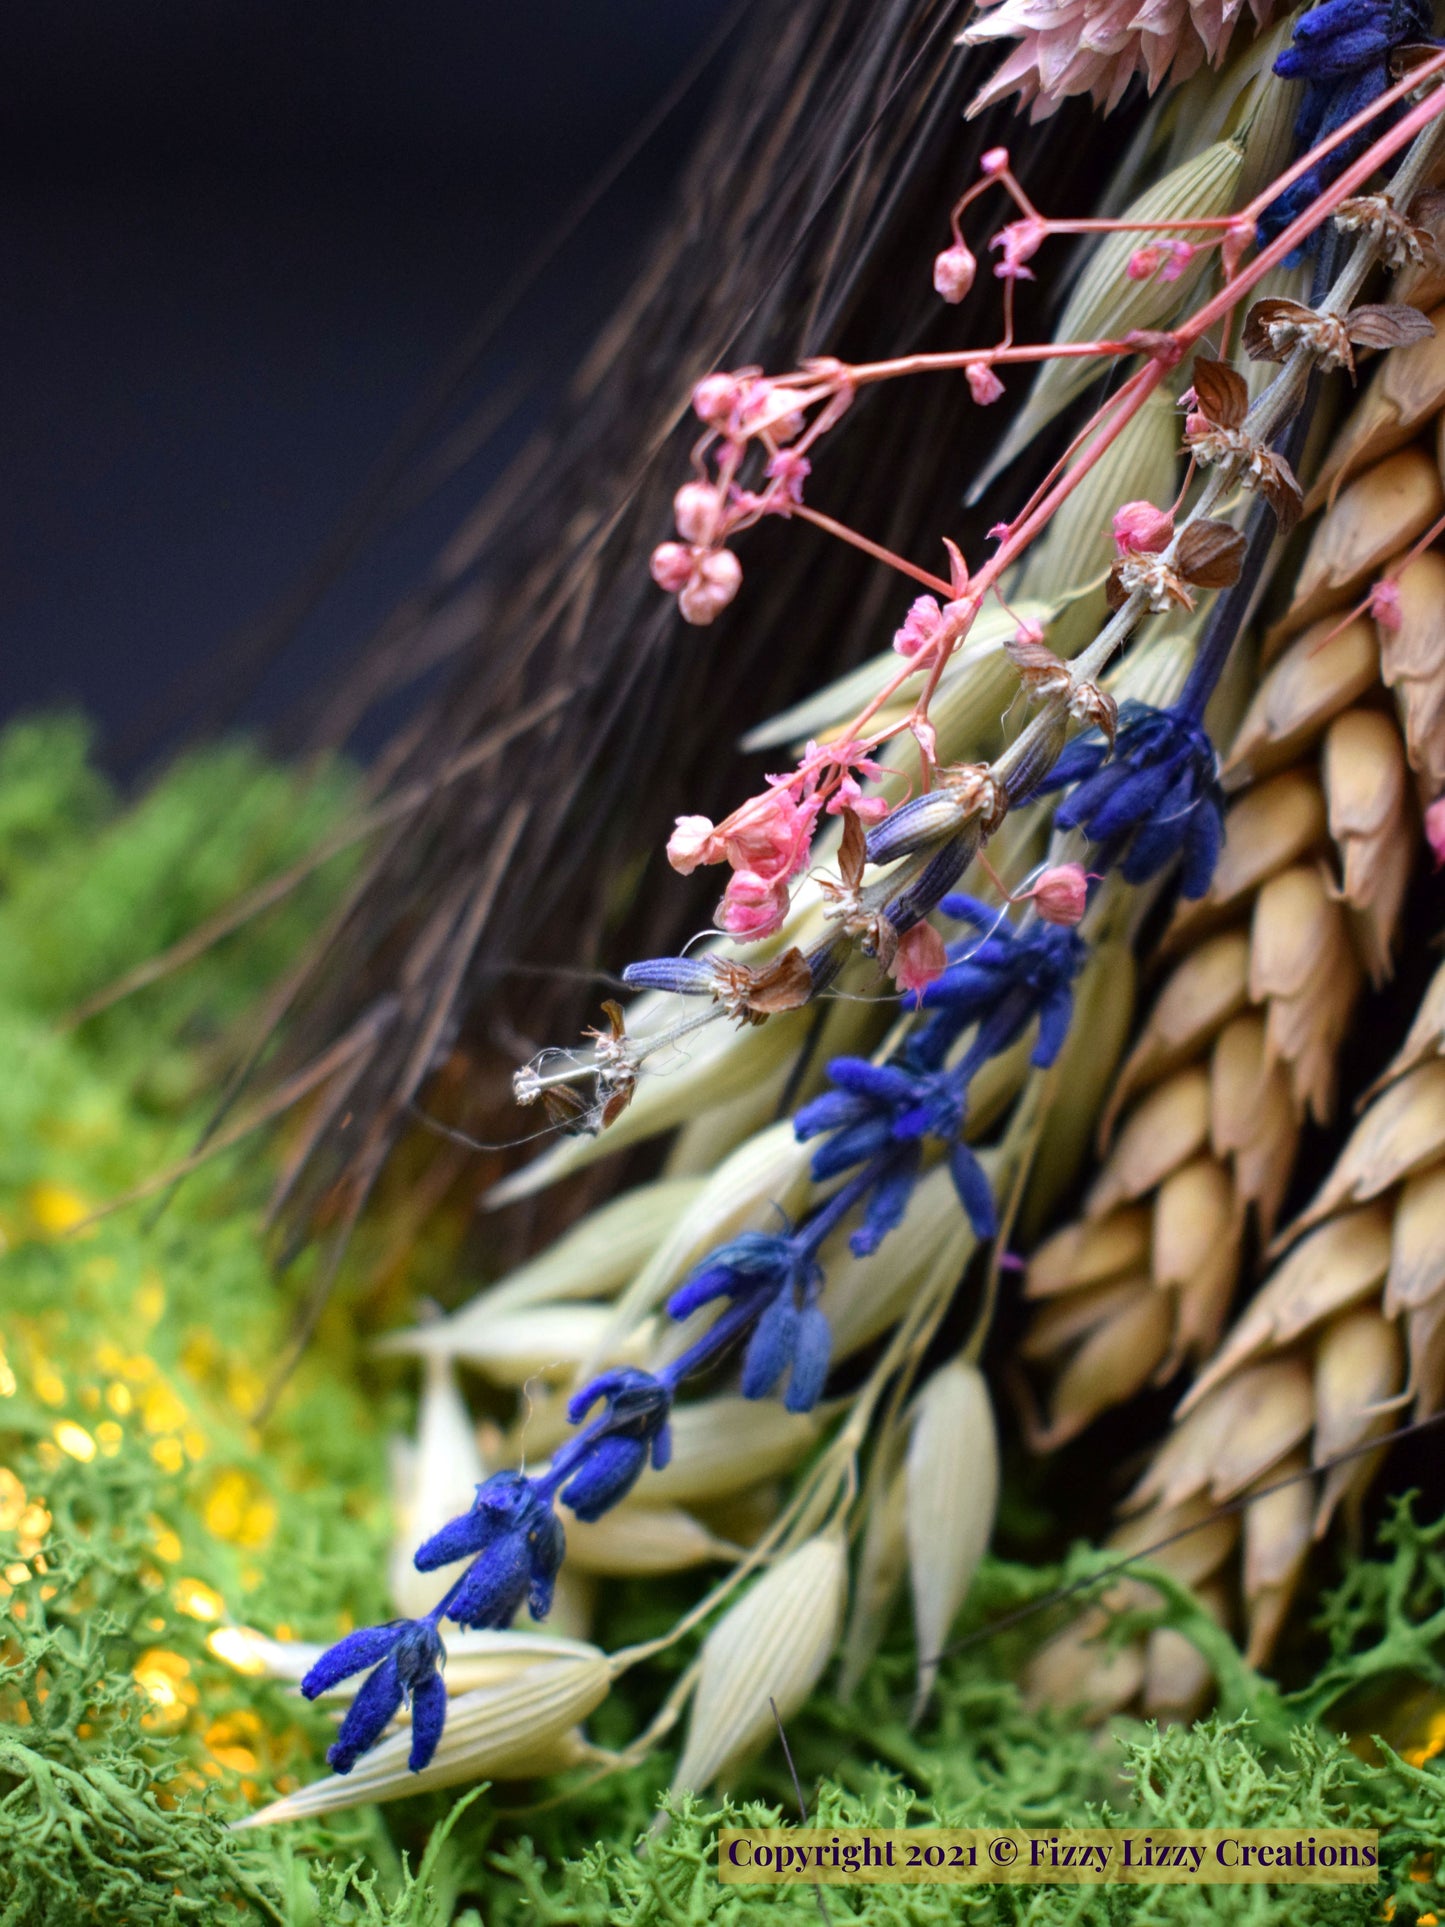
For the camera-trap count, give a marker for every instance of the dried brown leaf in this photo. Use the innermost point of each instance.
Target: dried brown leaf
(1387, 324)
(1210, 554)
(1221, 393)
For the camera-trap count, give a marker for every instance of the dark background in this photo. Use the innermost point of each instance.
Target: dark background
(240, 239)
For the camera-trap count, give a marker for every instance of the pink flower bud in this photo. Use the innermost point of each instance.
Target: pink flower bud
(1142, 263)
(1061, 894)
(920, 959)
(714, 582)
(1180, 254)
(1385, 605)
(848, 796)
(1029, 630)
(994, 161)
(920, 626)
(695, 508)
(789, 470)
(694, 841)
(671, 566)
(1435, 830)
(953, 272)
(983, 384)
(714, 399)
(753, 907)
(1142, 529)
(1020, 241)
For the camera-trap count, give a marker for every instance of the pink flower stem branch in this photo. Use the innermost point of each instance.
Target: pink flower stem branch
(856, 541)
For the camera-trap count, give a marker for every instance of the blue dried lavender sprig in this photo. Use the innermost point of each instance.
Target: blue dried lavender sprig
(881, 1115)
(1341, 51)
(1156, 798)
(515, 1543)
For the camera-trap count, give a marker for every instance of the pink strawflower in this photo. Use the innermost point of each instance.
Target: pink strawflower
(983, 384)
(1179, 255)
(715, 580)
(920, 959)
(920, 626)
(1435, 830)
(953, 272)
(1142, 263)
(1020, 241)
(1141, 529)
(715, 399)
(789, 471)
(1061, 893)
(848, 796)
(995, 161)
(695, 508)
(773, 406)
(694, 841)
(1096, 47)
(1385, 605)
(752, 907)
(770, 837)
(671, 566)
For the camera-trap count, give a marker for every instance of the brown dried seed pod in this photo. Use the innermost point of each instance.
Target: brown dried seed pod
(1359, 1365)
(1168, 1126)
(1376, 516)
(1317, 676)
(1089, 1253)
(1201, 995)
(1406, 389)
(1303, 968)
(1343, 1261)
(1366, 789)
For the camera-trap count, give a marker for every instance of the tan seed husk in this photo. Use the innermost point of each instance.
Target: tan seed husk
(1341, 1262)
(951, 1471)
(515, 1729)
(1178, 1679)
(1425, 1332)
(1268, 828)
(723, 1445)
(547, 1342)
(1426, 1037)
(882, 1563)
(1417, 1242)
(635, 1540)
(1375, 516)
(1252, 1117)
(1090, 1252)
(1203, 993)
(1303, 967)
(1167, 1126)
(1402, 1132)
(1359, 1365)
(1077, 1670)
(1318, 675)
(1412, 662)
(1233, 1436)
(768, 1649)
(1190, 1559)
(1068, 1317)
(1116, 1360)
(1278, 1529)
(1198, 1226)
(435, 1480)
(1362, 768)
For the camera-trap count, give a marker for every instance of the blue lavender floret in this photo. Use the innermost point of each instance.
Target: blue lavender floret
(772, 1281)
(610, 1455)
(881, 1115)
(516, 1543)
(1341, 51)
(407, 1655)
(1159, 793)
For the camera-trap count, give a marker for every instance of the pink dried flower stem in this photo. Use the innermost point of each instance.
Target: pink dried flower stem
(875, 549)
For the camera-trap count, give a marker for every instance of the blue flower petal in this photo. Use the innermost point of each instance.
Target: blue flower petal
(811, 1352)
(357, 1653)
(428, 1717)
(367, 1717)
(771, 1347)
(974, 1193)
